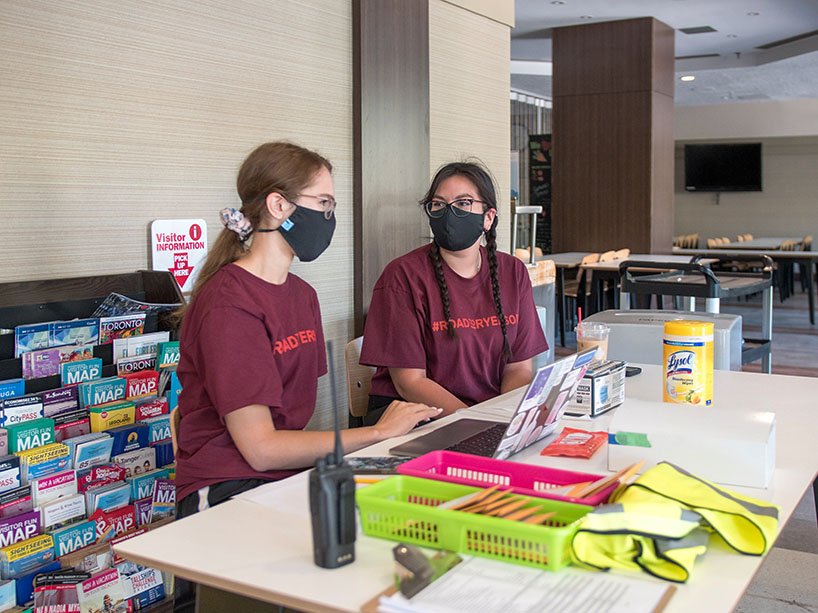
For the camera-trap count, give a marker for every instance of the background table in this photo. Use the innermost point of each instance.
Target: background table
(609, 271)
(762, 242)
(808, 260)
(697, 280)
(265, 550)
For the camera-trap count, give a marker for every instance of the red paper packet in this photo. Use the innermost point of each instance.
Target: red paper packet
(576, 443)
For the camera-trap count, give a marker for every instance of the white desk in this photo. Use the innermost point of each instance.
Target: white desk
(266, 553)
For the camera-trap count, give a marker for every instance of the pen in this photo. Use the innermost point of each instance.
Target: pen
(366, 480)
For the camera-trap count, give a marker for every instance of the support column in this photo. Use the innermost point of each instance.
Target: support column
(391, 134)
(613, 142)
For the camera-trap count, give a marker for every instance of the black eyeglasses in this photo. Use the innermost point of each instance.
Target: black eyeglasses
(327, 203)
(460, 207)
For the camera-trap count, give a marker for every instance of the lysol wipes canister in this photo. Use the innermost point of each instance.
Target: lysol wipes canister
(688, 353)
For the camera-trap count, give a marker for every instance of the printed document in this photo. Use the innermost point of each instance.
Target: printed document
(477, 584)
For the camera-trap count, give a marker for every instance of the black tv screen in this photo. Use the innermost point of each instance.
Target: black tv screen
(723, 168)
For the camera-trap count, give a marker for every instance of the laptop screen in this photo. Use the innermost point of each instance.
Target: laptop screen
(543, 403)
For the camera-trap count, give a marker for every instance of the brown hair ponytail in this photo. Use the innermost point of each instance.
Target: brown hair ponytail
(279, 166)
(480, 177)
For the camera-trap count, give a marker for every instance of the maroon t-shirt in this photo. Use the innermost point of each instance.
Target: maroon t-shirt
(405, 326)
(244, 341)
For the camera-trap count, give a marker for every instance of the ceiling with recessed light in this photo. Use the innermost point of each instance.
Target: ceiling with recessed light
(737, 50)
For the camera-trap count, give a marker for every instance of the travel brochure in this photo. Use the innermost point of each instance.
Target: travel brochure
(80, 467)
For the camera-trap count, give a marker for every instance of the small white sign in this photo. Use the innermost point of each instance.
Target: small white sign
(179, 246)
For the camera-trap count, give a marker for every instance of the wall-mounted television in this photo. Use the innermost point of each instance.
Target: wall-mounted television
(733, 167)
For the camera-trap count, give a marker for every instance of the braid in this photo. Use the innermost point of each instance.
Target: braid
(491, 249)
(437, 263)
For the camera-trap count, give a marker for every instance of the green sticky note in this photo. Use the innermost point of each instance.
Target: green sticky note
(632, 439)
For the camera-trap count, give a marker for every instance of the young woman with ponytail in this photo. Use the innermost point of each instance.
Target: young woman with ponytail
(452, 323)
(252, 346)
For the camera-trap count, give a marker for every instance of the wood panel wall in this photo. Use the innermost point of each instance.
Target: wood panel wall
(432, 86)
(113, 114)
(613, 136)
(391, 127)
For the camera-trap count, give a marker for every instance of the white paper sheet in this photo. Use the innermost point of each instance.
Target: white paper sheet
(488, 586)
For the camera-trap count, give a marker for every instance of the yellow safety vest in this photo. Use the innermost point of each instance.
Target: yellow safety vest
(656, 524)
(659, 538)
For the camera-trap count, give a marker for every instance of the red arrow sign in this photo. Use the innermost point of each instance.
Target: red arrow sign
(181, 271)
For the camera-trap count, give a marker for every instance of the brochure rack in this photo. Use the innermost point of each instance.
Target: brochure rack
(30, 302)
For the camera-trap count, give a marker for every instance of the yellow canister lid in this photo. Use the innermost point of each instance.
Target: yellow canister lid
(689, 328)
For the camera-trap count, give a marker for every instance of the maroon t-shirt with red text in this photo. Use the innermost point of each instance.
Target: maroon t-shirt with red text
(244, 341)
(405, 326)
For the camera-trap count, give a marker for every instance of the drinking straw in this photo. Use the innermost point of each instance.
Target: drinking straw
(579, 316)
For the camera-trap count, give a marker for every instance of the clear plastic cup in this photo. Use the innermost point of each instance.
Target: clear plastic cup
(591, 335)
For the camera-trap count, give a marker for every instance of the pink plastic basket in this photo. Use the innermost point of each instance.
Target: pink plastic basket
(525, 479)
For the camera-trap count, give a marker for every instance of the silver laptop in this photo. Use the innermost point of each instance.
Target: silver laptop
(541, 406)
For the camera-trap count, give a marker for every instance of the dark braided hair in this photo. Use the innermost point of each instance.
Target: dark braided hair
(481, 179)
(437, 264)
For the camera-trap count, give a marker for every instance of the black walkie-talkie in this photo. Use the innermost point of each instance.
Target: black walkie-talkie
(332, 499)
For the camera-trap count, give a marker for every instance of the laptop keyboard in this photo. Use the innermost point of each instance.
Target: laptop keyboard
(483, 443)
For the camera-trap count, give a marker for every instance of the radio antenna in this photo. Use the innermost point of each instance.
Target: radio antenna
(339, 450)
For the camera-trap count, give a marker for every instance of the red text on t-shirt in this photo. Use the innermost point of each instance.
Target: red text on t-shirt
(474, 323)
(302, 337)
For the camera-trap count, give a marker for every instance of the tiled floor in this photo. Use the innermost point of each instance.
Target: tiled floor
(787, 581)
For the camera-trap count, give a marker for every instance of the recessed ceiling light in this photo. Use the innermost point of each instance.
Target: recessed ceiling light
(753, 13)
(586, 16)
(557, 2)
(732, 36)
(687, 77)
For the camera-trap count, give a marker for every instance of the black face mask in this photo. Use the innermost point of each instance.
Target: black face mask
(455, 233)
(307, 231)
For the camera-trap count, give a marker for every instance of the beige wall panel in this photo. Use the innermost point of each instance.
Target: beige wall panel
(747, 120)
(469, 115)
(113, 114)
(785, 207)
(498, 10)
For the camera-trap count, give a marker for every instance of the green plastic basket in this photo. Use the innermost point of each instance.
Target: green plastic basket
(403, 509)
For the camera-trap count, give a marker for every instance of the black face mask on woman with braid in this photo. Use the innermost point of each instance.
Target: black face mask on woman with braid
(453, 322)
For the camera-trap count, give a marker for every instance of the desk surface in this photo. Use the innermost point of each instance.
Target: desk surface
(572, 259)
(567, 259)
(773, 253)
(263, 548)
(763, 242)
(643, 257)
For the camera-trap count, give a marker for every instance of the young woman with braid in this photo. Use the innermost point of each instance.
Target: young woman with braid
(252, 345)
(452, 323)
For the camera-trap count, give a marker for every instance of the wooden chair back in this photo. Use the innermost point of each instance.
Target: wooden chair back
(748, 237)
(788, 245)
(621, 254)
(359, 378)
(522, 254)
(175, 421)
(591, 258)
(740, 238)
(543, 273)
(608, 256)
(806, 243)
(694, 241)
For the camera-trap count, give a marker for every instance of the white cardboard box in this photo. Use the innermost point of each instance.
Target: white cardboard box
(601, 389)
(720, 443)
